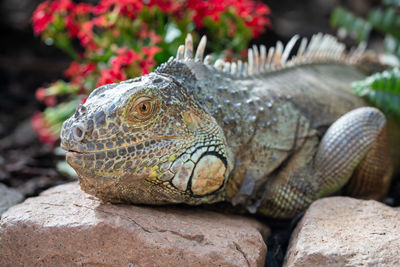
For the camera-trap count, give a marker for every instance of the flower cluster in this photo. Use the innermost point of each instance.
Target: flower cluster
(252, 13)
(120, 39)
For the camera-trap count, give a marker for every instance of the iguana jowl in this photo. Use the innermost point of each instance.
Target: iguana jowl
(271, 135)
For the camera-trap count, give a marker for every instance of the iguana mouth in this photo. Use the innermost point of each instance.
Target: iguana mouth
(73, 151)
(127, 157)
(145, 143)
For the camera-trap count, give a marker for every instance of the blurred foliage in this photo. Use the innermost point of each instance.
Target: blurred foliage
(358, 28)
(381, 89)
(120, 39)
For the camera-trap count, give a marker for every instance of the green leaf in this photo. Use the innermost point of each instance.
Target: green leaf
(357, 27)
(386, 20)
(382, 89)
(55, 116)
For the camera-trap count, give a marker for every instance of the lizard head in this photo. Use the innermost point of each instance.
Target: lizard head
(146, 140)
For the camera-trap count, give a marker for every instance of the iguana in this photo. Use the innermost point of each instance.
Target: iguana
(270, 135)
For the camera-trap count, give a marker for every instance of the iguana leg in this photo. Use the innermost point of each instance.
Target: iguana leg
(371, 178)
(354, 148)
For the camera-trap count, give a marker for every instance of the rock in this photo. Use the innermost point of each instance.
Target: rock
(342, 231)
(65, 226)
(8, 197)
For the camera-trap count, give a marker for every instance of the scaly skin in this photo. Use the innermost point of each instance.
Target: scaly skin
(191, 133)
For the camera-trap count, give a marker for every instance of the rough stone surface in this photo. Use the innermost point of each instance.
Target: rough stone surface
(342, 231)
(8, 197)
(64, 226)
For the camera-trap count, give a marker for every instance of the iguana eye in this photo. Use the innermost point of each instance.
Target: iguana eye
(144, 107)
(141, 109)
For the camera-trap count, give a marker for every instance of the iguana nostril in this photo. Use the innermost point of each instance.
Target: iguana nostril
(78, 132)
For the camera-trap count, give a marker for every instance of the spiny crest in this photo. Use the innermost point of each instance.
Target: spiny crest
(321, 48)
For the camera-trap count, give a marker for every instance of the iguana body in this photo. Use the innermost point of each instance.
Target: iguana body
(268, 136)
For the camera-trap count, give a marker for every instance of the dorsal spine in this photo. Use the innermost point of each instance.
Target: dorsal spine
(322, 48)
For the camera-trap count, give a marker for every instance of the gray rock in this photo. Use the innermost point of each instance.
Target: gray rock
(342, 231)
(65, 226)
(8, 197)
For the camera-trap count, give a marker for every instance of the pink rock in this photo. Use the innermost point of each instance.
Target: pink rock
(65, 226)
(342, 231)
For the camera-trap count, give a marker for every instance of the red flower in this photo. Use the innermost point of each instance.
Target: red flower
(73, 69)
(255, 16)
(104, 6)
(119, 39)
(126, 7)
(42, 128)
(150, 35)
(78, 72)
(146, 65)
(154, 37)
(41, 17)
(116, 32)
(76, 69)
(44, 13)
(83, 100)
(125, 57)
(50, 100)
(61, 5)
(148, 61)
(130, 8)
(150, 52)
(72, 26)
(211, 9)
(124, 61)
(200, 9)
(171, 7)
(100, 21)
(42, 96)
(83, 9)
(110, 76)
(72, 21)
(86, 36)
